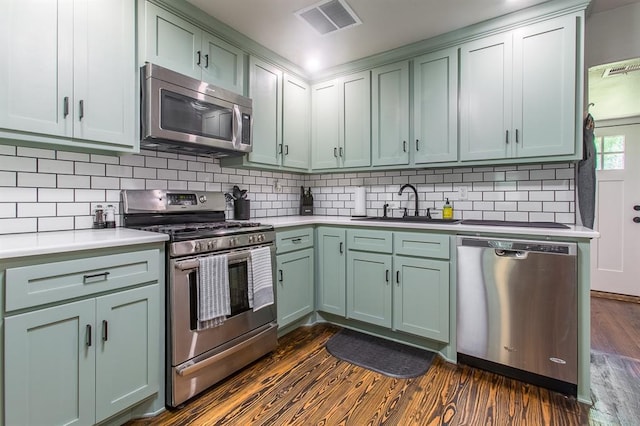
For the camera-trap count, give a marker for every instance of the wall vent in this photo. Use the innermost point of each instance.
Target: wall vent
(620, 69)
(330, 16)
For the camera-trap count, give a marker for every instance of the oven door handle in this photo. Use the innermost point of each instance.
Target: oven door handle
(190, 369)
(233, 257)
(185, 265)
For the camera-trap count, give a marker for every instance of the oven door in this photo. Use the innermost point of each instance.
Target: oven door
(186, 340)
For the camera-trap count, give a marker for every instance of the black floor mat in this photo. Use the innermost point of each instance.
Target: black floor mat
(383, 356)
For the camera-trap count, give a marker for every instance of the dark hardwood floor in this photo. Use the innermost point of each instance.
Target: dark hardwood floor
(301, 383)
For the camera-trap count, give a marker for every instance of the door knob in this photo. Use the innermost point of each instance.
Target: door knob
(636, 219)
(637, 207)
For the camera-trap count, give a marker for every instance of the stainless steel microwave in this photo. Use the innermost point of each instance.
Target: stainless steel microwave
(185, 115)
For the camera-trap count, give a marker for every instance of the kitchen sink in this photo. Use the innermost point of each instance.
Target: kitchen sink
(414, 219)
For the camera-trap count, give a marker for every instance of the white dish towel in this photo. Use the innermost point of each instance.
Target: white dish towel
(214, 302)
(260, 279)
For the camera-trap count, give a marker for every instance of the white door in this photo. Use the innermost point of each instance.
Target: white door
(615, 256)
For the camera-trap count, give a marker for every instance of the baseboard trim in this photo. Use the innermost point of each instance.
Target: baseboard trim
(615, 296)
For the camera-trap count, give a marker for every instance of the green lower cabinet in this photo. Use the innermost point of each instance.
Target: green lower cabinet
(82, 362)
(421, 297)
(369, 287)
(294, 286)
(331, 283)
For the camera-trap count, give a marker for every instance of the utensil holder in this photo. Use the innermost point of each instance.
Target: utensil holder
(241, 209)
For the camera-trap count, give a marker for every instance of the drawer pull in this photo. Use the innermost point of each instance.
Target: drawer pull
(281, 278)
(296, 240)
(341, 247)
(105, 330)
(86, 278)
(88, 341)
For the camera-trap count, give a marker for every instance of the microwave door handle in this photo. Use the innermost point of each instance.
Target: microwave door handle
(237, 133)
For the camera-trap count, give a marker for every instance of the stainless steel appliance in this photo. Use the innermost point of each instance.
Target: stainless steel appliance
(186, 115)
(195, 222)
(517, 309)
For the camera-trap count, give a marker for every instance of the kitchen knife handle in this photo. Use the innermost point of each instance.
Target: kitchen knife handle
(81, 109)
(88, 341)
(206, 60)
(65, 106)
(506, 137)
(199, 57)
(105, 330)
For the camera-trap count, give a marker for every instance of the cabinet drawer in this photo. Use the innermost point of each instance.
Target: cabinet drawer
(44, 283)
(421, 245)
(294, 239)
(376, 241)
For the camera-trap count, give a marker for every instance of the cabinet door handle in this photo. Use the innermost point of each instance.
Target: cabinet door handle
(335, 152)
(81, 108)
(386, 275)
(279, 148)
(105, 330)
(206, 60)
(286, 150)
(65, 106)
(199, 57)
(404, 146)
(506, 137)
(417, 145)
(398, 277)
(105, 275)
(88, 334)
(517, 136)
(341, 247)
(281, 278)
(340, 151)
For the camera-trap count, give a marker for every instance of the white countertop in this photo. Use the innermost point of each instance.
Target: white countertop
(573, 231)
(37, 243)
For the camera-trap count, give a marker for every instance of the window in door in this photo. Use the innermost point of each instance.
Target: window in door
(609, 152)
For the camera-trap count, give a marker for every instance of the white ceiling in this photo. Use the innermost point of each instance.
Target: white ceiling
(386, 24)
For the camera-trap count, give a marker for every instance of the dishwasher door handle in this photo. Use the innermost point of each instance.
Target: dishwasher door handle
(512, 254)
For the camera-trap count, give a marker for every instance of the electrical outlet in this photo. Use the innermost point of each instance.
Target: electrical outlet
(462, 193)
(394, 205)
(277, 186)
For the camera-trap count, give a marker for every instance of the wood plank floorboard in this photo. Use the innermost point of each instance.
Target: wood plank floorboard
(300, 383)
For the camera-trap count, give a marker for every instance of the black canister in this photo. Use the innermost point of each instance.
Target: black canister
(241, 209)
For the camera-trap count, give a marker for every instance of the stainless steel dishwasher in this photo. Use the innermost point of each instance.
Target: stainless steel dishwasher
(517, 309)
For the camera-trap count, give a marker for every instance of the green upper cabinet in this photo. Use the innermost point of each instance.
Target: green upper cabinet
(265, 88)
(181, 46)
(435, 107)
(295, 123)
(390, 114)
(62, 80)
(517, 93)
(341, 122)
(331, 270)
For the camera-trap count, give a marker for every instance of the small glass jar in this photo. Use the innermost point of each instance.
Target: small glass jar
(98, 217)
(110, 216)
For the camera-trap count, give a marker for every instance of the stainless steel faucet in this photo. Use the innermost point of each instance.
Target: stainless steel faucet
(415, 191)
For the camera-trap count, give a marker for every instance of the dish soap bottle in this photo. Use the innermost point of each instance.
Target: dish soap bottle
(447, 210)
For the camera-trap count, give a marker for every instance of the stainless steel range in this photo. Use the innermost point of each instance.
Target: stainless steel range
(199, 356)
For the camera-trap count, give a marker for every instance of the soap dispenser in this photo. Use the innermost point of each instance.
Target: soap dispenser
(447, 210)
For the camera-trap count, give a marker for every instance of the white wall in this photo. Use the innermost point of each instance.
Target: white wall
(613, 35)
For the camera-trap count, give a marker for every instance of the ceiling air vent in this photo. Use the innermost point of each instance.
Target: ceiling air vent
(329, 16)
(620, 69)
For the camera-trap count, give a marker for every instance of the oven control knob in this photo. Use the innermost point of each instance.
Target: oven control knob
(203, 199)
(196, 246)
(232, 242)
(251, 240)
(260, 238)
(209, 245)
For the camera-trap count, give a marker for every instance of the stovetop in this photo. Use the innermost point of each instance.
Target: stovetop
(194, 231)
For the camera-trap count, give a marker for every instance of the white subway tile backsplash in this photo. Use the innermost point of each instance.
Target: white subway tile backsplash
(13, 226)
(8, 178)
(18, 164)
(18, 195)
(36, 209)
(72, 182)
(7, 210)
(541, 217)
